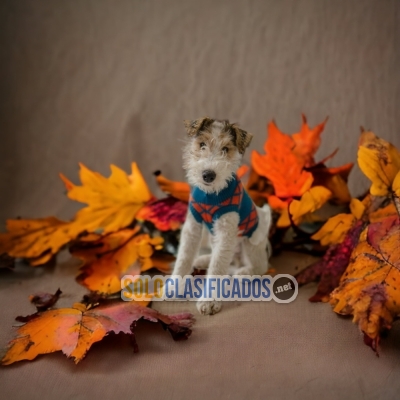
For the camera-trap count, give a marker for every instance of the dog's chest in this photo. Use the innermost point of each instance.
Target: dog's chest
(207, 208)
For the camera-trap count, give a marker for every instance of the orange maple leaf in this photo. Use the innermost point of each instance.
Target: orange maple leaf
(179, 190)
(242, 171)
(74, 330)
(382, 213)
(307, 141)
(120, 253)
(369, 287)
(281, 166)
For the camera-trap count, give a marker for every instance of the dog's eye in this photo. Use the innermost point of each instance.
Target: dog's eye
(202, 146)
(225, 150)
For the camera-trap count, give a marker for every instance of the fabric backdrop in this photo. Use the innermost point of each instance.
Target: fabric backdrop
(105, 82)
(102, 81)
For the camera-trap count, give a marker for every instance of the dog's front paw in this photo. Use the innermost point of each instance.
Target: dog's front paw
(206, 307)
(244, 271)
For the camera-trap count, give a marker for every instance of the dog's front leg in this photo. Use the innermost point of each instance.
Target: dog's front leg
(225, 231)
(189, 246)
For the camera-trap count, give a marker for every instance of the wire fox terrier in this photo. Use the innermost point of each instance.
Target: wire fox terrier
(218, 200)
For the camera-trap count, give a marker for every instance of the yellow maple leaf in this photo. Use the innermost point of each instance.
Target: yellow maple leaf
(120, 253)
(302, 209)
(357, 208)
(335, 229)
(112, 203)
(379, 161)
(35, 239)
(382, 213)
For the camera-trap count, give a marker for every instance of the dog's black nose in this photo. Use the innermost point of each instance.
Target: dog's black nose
(208, 175)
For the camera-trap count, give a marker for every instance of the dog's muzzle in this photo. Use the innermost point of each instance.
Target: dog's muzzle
(209, 175)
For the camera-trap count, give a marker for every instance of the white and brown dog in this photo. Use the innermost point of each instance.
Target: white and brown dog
(218, 200)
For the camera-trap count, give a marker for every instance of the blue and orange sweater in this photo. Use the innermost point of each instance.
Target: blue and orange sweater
(208, 207)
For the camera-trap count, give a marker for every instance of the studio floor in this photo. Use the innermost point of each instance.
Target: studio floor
(249, 350)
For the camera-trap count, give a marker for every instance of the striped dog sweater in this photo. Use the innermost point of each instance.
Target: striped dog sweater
(208, 207)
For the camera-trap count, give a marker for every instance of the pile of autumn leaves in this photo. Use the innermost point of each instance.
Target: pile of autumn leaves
(360, 271)
(108, 235)
(357, 274)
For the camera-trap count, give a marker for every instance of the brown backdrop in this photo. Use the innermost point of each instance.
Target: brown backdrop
(105, 82)
(111, 81)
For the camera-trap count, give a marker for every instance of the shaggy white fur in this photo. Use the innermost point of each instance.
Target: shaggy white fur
(218, 151)
(210, 154)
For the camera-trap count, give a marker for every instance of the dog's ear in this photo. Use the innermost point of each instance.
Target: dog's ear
(195, 126)
(243, 139)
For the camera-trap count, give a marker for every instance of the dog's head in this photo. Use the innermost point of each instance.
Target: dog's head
(213, 153)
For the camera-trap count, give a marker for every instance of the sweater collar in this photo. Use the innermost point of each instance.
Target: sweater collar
(213, 198)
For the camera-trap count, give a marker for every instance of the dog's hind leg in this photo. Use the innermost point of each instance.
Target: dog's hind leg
(255, 258)
(202, 262)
